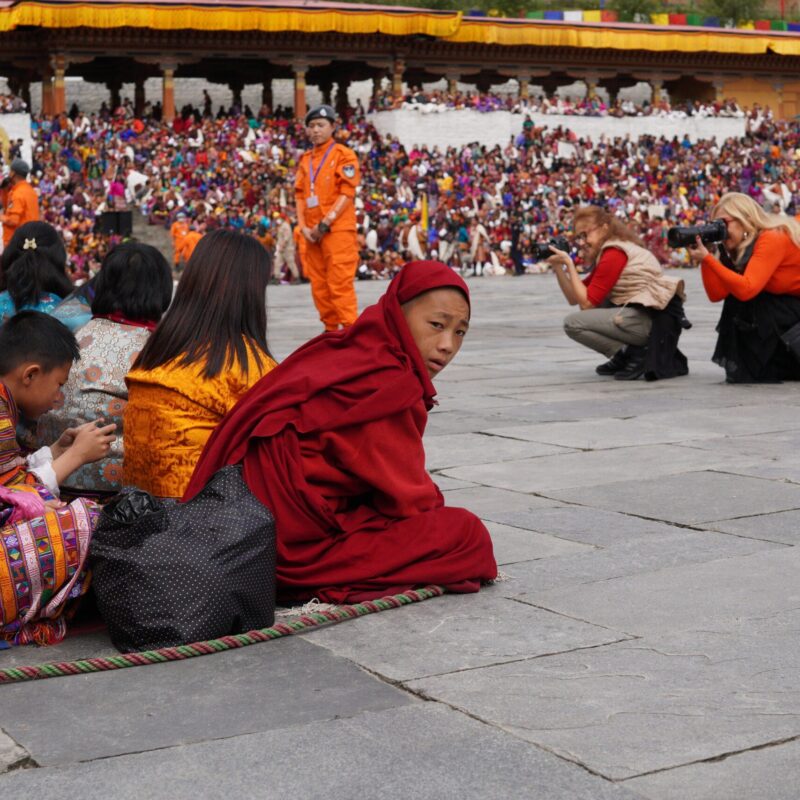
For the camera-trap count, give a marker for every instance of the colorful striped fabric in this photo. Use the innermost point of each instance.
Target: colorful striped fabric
(43, 568)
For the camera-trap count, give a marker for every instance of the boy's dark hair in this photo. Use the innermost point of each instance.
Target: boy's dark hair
(135, 281)
(31, 336)
(35, 263)
(219, 312)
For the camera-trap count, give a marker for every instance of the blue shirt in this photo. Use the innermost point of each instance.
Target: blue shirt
(47, 302)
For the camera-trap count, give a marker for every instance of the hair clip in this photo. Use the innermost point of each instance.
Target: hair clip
(30, 244)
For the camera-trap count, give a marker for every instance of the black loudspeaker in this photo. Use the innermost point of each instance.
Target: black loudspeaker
(116, 222)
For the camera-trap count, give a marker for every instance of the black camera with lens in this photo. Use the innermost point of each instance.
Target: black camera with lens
(685, 235)
(541, 250)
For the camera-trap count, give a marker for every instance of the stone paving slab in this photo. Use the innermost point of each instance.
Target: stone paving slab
(643, 705)
(588, 525)
(772, 446)
(446, 484)
(532, 581)
(583, 469)
(474, 448)
(691, 498)
(711, 596)
(417, 751)
(71, 649)
(12, 756)
(773, 773)
(489, 503)
(454, 635)
(788, 469)
(513, 545)
(781, 527)
(596, 552)
(84, 717)
(658, 428)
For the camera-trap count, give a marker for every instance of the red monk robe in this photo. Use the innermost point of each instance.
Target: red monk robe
(331, 443)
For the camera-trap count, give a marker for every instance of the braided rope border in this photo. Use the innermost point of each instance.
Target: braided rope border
(305, 622)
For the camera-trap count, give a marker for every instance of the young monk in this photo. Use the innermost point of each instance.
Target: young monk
(331, 443)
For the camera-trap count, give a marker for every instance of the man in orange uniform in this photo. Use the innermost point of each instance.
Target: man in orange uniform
(325, 188)
(178, 232)
(20, 202)
(189, 242)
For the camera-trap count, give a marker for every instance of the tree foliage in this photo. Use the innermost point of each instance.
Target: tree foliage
(631, 10)
(732, 11)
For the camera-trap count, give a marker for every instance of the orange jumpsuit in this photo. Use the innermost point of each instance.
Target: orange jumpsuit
(21, 206)
(331, 263)
(187, 245)
(178, 232)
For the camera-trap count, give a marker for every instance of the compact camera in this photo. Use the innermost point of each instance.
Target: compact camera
(542, 250)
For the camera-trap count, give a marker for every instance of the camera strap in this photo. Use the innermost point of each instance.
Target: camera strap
(740, 265)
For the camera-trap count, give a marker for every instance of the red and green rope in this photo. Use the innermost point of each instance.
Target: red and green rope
(279, 630)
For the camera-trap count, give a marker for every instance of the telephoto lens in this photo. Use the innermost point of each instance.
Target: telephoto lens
(541, 250)
(685, 236)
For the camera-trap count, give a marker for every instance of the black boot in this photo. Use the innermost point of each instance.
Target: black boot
(634, 369)
(617, 362)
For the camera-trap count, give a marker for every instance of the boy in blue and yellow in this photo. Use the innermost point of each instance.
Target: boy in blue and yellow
(36, 354)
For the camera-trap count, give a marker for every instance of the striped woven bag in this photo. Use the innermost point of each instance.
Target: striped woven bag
(42, 569)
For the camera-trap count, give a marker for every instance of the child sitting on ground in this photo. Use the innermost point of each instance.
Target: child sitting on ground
(36, 354)
(44, 543)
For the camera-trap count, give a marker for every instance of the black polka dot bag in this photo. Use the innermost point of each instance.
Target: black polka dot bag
(168, 573)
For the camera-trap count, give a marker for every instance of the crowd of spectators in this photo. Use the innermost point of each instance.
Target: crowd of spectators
(477, 207)
(11, 104)
(439, 101)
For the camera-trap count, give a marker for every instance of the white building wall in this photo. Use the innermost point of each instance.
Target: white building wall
(18, 126)
(459, 127)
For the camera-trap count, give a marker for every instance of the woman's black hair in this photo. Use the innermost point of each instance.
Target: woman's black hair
(135, 280)
(34, 263)
(220, 308)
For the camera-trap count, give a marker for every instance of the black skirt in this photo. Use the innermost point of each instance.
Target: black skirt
(749, 347)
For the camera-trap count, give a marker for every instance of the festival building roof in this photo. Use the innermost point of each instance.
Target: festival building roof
(317, 16)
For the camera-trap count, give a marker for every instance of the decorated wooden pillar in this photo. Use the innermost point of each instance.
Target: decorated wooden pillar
(377, 87)
(59, 92)
(266, 93)
(452, 82)
(326, 90)
(524, 82)
(657, 85)
(778, 87)
(398, 68)
(719, 89)
(236, 87)
(342, 105)
(47, 95)
(168, 92)
(138, 97)
(591, 80)
(115, 94)
(300, 107)
(483, 84)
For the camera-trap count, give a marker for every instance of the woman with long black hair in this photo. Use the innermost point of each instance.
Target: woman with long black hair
(208, 350)
(34, 271)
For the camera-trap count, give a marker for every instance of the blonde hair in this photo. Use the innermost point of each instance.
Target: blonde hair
(617, 229)
(754, 219)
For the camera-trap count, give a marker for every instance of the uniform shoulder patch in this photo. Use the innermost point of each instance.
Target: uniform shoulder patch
(349, 170)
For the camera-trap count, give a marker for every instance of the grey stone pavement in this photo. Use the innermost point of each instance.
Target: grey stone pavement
(645, 644)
